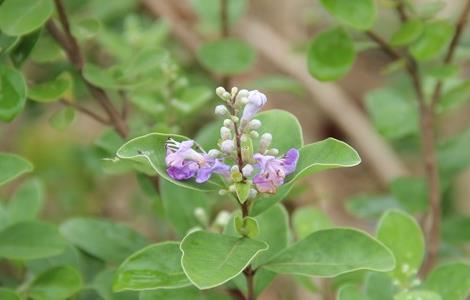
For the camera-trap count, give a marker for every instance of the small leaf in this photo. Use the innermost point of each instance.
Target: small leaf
(403, 236)
(227, 56)
(331, 252)
(24, 47)
(56, 284)
(18, 17)
(417, 295)
(433, 41)
(62, 119)
(13, 166)
(86, 28)
(26, 202)
(7, 43)
(30, 240)
(359, 14)
(411, 193)
(209, 12)
(211, 259)
(247, 226)
(325, 64)
(379, 286)
(12, 93)
(408, 32)
(455, 96)
(6, 294)
(307, 220)
(46, 50)
(350, 292)
(103, 239)
(451, 281)
(243, 191)
(156, 266)
(51, 90)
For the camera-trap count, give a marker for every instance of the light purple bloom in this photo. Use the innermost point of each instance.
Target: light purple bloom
(183, 162)
(274, 170)
(256, 100)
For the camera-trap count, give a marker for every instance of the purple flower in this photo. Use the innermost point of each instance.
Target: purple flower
(183, 162)
(274, 170)
(256, 100)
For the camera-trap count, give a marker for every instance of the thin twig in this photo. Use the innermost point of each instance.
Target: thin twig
(224, 32)
(400, 8)
(86, 111)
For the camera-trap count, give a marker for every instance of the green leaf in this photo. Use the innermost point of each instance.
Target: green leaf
(246, 226)
(451, 281)
(359, 14)
(51, 90)
(456, 230)
(187, 293)
(433, 41)
(56, 284)
(12, 93)
(27, 202)
(148, 153)
(30, 240)
(62, 118)
(455, 96)
(102, 284)
(209, 12)
(103, 239)
(24, 47)
(453, 155)
(370, 206)
(13, 166)
(327, 154)
(156, 266)
(411, 193)
(349, 292)
(243, 191)
(393, 116)
(325, 64)
(400, 232)
(307, 220)
(18, 17)
(379, 286)
(226, 57)
(7, 43)
(407, 33)
(6, 294)
(86, 28)
(417, 295)
(331, 252)
(211, 259)
(46, 50)
(192, 99)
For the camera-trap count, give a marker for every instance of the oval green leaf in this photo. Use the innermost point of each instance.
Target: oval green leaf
(18, 17)
(359, 14)
(433, 41)
(331, 55)
(30, 240)
(331, 252)
(211, 259)
(400, 232)
(62, 118)
(103, 239)
(350, 292)
(12, 166)
(26, 202)
(226, 57)
(407, 33)
(451, 281)
(56, 284)
(12, 93)
(51, 90)
(156, 266)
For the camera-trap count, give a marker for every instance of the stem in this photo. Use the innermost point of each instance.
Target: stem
(86, 111)
(224, 32)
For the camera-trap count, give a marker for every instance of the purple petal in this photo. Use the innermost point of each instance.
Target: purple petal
(256, 100)
(290, 160)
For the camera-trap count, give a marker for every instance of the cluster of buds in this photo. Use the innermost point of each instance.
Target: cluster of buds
(262, 170)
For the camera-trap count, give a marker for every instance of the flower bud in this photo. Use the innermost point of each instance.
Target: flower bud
(221, 110)
(214, 153)
(253, 193)
(254, 134)
(247, 170)
(243, 94)
(226, 96)
(235, 119)
(228, 123)
(254, 124)
(225, 133)
(201, 216)
(265, 142)
(272, 152)
(222, 219)
(232, 188)
(227, 146)
(220, 91)
(234, 91)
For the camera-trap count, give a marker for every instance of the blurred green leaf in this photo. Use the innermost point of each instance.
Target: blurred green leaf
(18, 17)
(46, 50)
(453, 155)
(27, 202)
(227, 56)
(277, 83)
(30, 240)
(12, 93)
(7, 43)
(433, 41)
(379, 286)
(309, 219)
(52, 90)
(411, 193)
(13, 166)
(400, 232)
(407, 33)
(370, 206)
(156, 266)
(393, 116)
(6, 294)
(208, 258)
(103, 239)
(209, 12)
(24, 47)
(86, 28)
(56, 284)
(62, 118)
(102, 284)
(455, 96)
(173, 294)
(451, 281)
(350, 292)
(417, 295)
(325, 64)
(192, 99)
(442, 72)
(359, 14)
(456, 229)
(331, 252)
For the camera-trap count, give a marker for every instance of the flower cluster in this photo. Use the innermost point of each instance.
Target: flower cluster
(235, 159)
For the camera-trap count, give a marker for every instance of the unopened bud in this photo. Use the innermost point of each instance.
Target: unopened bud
(244, 138)
(227, 146)
(228, 123)
(272, 152)
(265, 142)
(252, 193)
(254, 124)
(225, 133)
(221, 110)
(214, 153)
(220, 91)
(234, 91)
(254, 134)
(247, 170)
(243, 93)
(244, 100)
(201, 215)
(235, 119)
(226, 96)
(222, 219)
(232, 188)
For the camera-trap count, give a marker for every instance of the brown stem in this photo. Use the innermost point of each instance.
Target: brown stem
(250, 286)
(224, 33)
(86, 111)
(401, 11)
